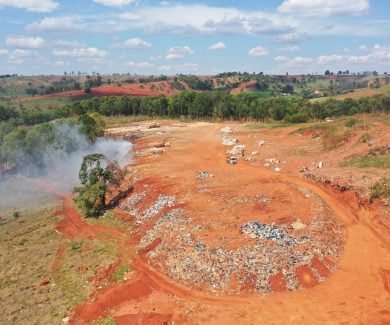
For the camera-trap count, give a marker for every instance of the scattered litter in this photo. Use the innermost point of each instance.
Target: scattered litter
(232, 160)
(320, 165)
(229, 141)
(237, 150)
(261, 143)
(255, 153)
(203, 175)
(162, 201)
(156, 151)
(255, 229)
(298, 225)
(277, 169)
(153, 125)
(226, 129)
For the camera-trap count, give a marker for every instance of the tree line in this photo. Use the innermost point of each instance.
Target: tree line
(206, 105)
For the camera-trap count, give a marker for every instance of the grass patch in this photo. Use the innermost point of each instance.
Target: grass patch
(367, 162)
(104, 321)
(270, 125)
(381, 190)
(120, 273)
(28, 247)
(121, 120)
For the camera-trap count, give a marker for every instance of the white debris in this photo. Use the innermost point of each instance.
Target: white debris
(261, 143)
(226, 129)
(320, 164)
(229, 141)
(298, 225)
(156, 151)
(255, 153)
(277, 169)
(237, 150)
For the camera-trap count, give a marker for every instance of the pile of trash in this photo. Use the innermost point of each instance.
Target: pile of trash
(131, 202)
(226, 129)
(162, 201)
(229, 141)
(203, 175)
(255, 229)
(237, 150)
(187, 257)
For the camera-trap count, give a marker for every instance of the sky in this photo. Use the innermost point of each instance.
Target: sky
(191, 36)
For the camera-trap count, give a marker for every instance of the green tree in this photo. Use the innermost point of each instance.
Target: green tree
(97, 174)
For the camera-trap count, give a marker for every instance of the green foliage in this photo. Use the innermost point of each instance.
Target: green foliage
(34, 148)
(381, 190)
(334, 136)
(96, 174)
(90, 199)
(367, 161)
(120, 273)
(351, 122)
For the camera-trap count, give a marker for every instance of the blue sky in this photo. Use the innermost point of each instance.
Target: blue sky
(208, 37)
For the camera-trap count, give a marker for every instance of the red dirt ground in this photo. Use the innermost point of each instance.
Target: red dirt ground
(357, 293)
(135, 89)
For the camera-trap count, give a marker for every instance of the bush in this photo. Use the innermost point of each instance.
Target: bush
(298, 118)
(351, 122)
(381, 190)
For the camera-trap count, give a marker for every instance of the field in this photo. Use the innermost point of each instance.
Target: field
(365, 92)
(200, 241)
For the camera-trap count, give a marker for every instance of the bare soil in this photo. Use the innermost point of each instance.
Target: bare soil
(192, 260)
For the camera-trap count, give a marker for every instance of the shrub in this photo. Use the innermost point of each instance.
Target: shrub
(381, 190)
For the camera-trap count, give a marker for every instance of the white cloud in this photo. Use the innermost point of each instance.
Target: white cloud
(178, 52)
(146, 65)
(89, 52)
(17, 61)
(59, 63)
(291, 48)
(324, 7)
(57, 24)
(217, 46)
(115, 3)
(180, 67)
(327, 59)
(192, 19)
(25, 42)
(281, 59)
(363, 47)
(292, 37)
(3, 52)
(258, 51)
(129, 16)
(136, 43)
(31, 5)
(68, 44)
(23, 54)
(91, 60)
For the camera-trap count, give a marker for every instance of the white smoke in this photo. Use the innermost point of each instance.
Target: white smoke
(62, 165)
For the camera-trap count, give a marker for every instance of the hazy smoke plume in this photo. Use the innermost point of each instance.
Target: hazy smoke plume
(59, 166)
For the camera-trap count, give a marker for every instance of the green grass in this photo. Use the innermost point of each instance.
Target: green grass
(121, 120)
(120, 273)
(381, 190)
(48, 103)
(367, 162)
(268, 125)
(104, 321)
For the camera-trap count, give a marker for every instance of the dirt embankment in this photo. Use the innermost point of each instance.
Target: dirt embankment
(257, 235)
